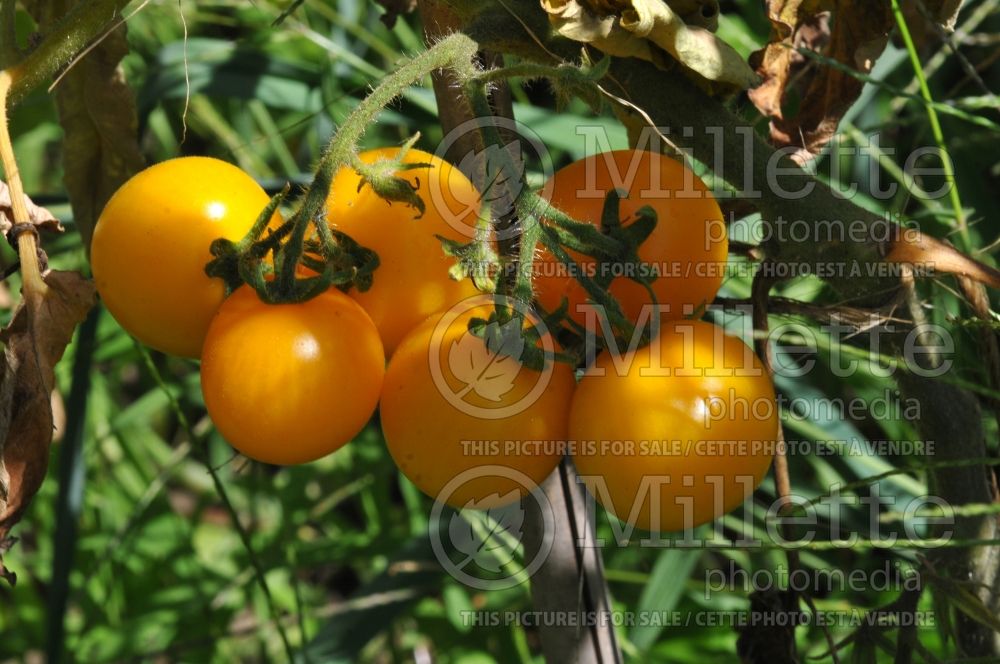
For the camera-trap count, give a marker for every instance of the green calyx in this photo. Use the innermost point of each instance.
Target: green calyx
(307, 256)
(304, 256)
(383, 177)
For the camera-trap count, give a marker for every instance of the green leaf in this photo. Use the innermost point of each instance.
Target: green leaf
(219, 68)
(663, 592)
(413, 573)
(458, 606)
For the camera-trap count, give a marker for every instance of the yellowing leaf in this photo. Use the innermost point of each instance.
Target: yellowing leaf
(649, 29)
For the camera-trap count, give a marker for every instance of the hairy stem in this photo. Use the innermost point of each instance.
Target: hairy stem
(454, 52)
(72, 34)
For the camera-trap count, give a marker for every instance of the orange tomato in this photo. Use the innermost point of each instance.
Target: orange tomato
(412, 279)
(151, 244)
(467, 425)
(687, 249)
(290, 383)
(678, 433)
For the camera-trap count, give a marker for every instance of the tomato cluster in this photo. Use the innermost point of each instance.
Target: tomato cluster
(477, 408)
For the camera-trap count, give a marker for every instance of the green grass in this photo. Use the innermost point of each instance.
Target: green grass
(174, 540)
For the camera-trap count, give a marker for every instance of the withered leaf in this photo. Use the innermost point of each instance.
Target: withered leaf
(97, 113)
(37, 215)
(34, 341)
(653, 31)
(926, 18)
(794, 24)
(860, 31)
(704, 13)
(922, 250)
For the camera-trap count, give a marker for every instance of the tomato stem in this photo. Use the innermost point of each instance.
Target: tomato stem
(27, 246)
(79, 26)
(345, 263)
(536, 220)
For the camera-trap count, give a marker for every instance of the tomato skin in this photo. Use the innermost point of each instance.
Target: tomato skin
(412, 281)
(152, 241)
(689, 244)
(642, 405)
(290, 383)
(424, 430)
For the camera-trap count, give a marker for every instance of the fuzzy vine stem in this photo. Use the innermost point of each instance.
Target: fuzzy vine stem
(454, 52)
(556, 228)
(512, 280)
(71, 35)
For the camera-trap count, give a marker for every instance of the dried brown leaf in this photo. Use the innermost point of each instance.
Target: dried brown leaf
(37, 214)
(930, 254)
(860, 31)
(34, 341)
(794, 24)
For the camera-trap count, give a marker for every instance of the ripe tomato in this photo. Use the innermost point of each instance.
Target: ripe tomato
(290, 383)
(677, 433)
(687, 249)
(412, 280)
(151, 245)
(451, 406)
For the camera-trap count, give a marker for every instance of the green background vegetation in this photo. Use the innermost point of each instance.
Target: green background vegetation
(158, 567)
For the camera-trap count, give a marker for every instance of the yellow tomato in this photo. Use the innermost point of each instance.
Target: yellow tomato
(151, 245)
(678, 433)
(412, 279)
(290, 383)
(468, 426)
